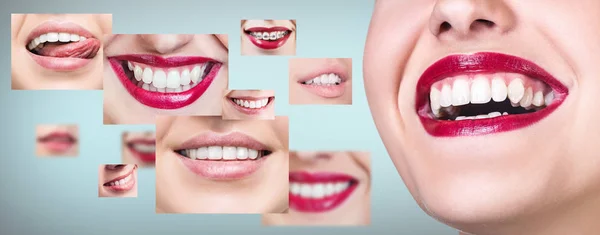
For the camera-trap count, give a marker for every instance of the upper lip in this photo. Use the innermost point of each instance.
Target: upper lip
(161, 62)
(234, 139)
(267, 29)
(122, 176)
(319, 177)
(58, 27)
(57, 134)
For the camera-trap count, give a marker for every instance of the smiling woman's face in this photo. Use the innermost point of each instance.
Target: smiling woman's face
(465, 162)
(57, 51)
(149, 75)
(209, 165)
(268, 37)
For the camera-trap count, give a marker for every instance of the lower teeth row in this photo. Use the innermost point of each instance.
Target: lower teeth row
(483, 116)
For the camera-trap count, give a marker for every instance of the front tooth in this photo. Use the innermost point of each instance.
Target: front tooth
(195, 74)
(173, 79)
(446, 96)
(538, 99)
(480, 90)
(122, 182)
(229, 153)
(147, 76)
(252, 153)
(329, 189)
(242, 153)
(74, 38)
(137, 73)
(185, 77)
(129, 66)
(117, 183)
(494, 114)
(305, 190)
(549, 98)
(52, 37)
(318, 191)
(160, 79)
(527, 98)
(202, 153)
(499, 90)
(516, 90)
(295, 188)
(64, 37)
(460, 118)
(434, 100)
(273, 35)
(215, 152)
(333, 78)
(265, 36)
(253, 104)
(43, 38)
(482, 116)
(460, 92)
(192, 153)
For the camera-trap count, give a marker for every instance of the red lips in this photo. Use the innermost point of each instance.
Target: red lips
(268, 45)
(482, 63)
(322, 203)
(146, 157)
(161, 100)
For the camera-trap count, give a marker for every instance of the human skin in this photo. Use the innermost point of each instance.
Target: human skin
(45, 130)
(302, 68)
(128, 156)
(179, 190)
(231, 112)
(289, 48)
(542, 179)
(355, 211)
(29, 75)
(120, 107)
(109, 172)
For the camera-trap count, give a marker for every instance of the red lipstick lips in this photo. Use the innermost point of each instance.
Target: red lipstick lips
(58, 142)
(482, 63)
(268, 44)
(162, 100)
(319, 192)
(143, 149)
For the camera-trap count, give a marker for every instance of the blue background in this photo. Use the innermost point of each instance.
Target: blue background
(59, 195)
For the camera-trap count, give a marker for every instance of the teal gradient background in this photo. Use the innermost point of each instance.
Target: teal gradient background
(59, 195)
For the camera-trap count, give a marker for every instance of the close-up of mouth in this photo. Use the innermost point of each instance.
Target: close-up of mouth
(58, 142)
(485, 93)
(251, 105)
(329, 84)
(223, 157)
(62, 46)
(268, 38)
(143, 149)
(123, 183)
(165, 83)
(320, 191)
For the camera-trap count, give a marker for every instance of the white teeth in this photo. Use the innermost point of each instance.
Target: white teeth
(242, 153)
(64, 37)
(265, 36)
(215, 152)
(52, 37)
(229, 153)
(516, 90)
(222, 153)
(480, 90)
(252, 104)
(446, 96)
(325, 79)
(144, 148)
(549, 98)
(137, 73)
(202, 153)
(147, 76)
(538, 99)
(160, 79)
(173, 79)
(527, 98)
(43, 38)
(185, 77)
(129, 66)
(317, 190)
(268, 35)
(499, 90)
(460, 92)
(434, 100)
(273, 35)
(121, 181)
(195, 74)
(494, 114)
(170, 81)
(74, 37)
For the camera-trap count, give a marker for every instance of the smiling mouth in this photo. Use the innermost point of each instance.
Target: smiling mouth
(251, 105)
(58, 142)
(165, 83)
(145, 150)
(328, 85)
(319, 192)
(268, 38)
(485, 93)
(122, 183)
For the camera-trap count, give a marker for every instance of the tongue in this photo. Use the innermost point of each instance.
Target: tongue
(86, 49)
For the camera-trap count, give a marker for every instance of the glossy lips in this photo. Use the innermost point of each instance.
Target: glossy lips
(122, 183)
(263, 38)
(250, 105)
(58, 142)
(319, 192)
(62, 46)
(482, 63)
(143, 149)
(223, 157)
(161, 100)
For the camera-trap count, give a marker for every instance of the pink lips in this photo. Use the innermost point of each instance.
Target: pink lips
(333, 91)
(56, 63)
(482, 63)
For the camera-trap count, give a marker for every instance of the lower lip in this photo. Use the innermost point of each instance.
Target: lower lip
(326, 91)
(250, 111)
(144, 157)
(324, 204)
(223, 170)
(164, 100)
(60, 64)
(57, 146)
(126, 187)
(268, 45)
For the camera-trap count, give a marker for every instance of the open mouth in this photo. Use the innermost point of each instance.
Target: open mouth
(223, 157)
(165, 83)
(268, 38)
(327, 84)
(143, 149)
(62, 46)
(58, 142)
(484, 93)
(319, 192)
(123, 183)
(251, 105)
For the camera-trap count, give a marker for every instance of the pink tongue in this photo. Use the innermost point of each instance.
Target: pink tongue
(86, 49)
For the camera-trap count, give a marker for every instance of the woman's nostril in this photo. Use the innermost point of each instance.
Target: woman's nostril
(482, 24)
(445, 27)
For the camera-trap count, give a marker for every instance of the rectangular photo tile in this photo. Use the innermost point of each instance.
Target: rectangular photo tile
(249, 104)
(268, 37)
(57, 140)
(117, 180)
(139, 148)
(325, 81)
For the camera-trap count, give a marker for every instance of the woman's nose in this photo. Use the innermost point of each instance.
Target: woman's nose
(165, 43)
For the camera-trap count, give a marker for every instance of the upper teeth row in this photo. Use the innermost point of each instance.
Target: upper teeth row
(121, 181)
(480, 91)
(144, 148)
(54, 37)
(269, 36)
(325, 79)
(253, 104)
(317, 190)
(222, 152)
(173, 78)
